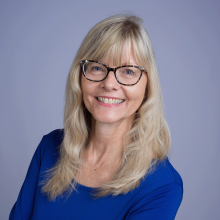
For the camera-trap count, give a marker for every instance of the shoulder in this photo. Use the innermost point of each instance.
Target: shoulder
(163, 179)
(49, 146)
(53, 137)
(159, 194)
(164, 173)
(161, 175)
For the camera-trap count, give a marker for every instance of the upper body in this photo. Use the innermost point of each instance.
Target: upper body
(157, 197)
(114, 135)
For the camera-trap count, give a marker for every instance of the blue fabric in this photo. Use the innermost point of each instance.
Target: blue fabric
(158, 196)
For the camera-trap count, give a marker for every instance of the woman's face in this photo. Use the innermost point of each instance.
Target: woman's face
(95, 92)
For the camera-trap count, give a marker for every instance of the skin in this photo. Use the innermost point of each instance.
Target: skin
(110, 123)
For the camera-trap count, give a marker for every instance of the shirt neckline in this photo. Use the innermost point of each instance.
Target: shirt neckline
(86, 188)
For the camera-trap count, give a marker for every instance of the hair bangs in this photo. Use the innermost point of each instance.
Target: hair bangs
(113, 55)
(110, 46)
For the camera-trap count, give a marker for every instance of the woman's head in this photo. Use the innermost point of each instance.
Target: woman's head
(107, 42)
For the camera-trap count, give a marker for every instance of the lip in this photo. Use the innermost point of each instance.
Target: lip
(108, 105)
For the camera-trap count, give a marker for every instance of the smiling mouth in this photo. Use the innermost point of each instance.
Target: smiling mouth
(110, 101)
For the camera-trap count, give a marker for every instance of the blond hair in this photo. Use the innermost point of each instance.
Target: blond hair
(148, 140)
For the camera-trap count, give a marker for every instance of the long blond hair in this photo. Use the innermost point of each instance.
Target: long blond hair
(149, 135)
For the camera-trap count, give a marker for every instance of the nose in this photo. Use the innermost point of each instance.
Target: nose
(110, 83)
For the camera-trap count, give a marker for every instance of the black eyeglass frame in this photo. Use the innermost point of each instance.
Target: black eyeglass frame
(83, 62)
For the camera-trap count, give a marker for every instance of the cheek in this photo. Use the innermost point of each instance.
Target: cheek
(85, 90)
(85, 86)
(86, 99)
(143, 89)
(88, 89)
(138, 93)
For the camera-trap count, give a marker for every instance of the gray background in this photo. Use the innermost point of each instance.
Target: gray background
(38, 41)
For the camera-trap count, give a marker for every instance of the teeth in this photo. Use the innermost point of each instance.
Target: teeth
(110, 101)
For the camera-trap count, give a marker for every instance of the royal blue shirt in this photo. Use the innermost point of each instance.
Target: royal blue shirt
(158, 196)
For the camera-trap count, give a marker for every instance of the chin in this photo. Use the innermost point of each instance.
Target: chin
(107, 120)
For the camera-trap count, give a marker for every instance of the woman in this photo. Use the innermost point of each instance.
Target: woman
(110, 160)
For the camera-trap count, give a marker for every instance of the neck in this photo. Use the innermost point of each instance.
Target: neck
(106, 142)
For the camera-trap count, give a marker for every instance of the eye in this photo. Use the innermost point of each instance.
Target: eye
(96, 68)
(129, 72)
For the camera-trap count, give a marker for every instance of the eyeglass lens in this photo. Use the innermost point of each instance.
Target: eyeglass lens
(125, 75)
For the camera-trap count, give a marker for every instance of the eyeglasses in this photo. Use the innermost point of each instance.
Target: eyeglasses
(127, 75)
